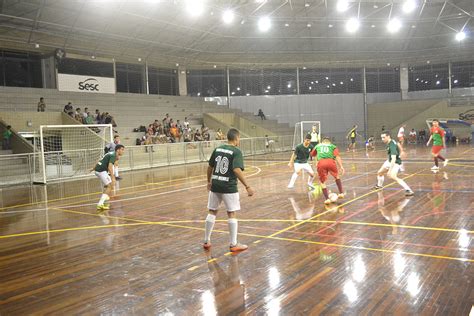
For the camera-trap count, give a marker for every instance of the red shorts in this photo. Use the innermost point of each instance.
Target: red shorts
(326, 166)
(436, 149)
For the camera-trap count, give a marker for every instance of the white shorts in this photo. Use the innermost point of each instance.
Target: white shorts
(104, 177)
(386, 165)
(231, 201)
(303, 166)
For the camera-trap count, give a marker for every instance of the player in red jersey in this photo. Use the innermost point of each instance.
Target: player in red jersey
(327, 154)
(439, 142)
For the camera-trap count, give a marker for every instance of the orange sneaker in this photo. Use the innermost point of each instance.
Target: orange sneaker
(206, 245)
(238, 247)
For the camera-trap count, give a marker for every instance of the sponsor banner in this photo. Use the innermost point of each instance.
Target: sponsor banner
(467, 116)
(87, 84)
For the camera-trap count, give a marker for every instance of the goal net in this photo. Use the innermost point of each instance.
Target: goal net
(304, 128)
(65, 151)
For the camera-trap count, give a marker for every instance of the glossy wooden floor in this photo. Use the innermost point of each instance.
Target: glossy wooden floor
(377, 253)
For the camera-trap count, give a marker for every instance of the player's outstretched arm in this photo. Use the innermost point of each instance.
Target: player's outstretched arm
(240, 175)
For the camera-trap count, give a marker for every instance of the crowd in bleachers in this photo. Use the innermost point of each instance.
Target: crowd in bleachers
(86, 117)
(169, 131)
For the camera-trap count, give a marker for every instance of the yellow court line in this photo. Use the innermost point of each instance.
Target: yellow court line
(460, 165)
(243, 234)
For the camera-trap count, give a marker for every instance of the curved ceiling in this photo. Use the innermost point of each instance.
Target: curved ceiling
(303, 32)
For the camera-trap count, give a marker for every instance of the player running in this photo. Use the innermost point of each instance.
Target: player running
(327, 154)
(104, 170)
(299, 162)
(352, 137)
(439, 142)
(392, 165)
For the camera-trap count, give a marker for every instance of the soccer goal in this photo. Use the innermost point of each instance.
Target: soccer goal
(304, 128)
(67, 151)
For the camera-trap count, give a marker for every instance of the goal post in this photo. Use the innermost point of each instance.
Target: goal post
(304, 128)
(68, 151)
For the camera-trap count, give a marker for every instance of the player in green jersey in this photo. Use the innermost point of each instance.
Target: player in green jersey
(226, 165)
(299, 162)
(104, 170)
(392, 165)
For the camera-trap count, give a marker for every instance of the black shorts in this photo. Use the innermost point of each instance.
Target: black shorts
(353, 140)
(314, 144)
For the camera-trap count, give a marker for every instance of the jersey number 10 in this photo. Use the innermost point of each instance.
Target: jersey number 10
(222, 165)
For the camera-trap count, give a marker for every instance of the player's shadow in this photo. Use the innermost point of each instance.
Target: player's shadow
(229, 291)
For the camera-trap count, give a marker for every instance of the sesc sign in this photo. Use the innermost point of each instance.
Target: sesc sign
(467, 116)
(86, 84)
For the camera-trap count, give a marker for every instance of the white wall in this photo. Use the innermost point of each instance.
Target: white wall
(383, 97)
(337, 112)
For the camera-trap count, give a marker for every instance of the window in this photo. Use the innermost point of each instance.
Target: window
(330, 80)
(207, 83)
(82, 67)
(263, 82)
(130, 78)
(20, 69)
(384, 79)
(428, 77)
(163, 81)
(462, 74)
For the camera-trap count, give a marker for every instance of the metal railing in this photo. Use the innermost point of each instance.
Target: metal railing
(62, 165)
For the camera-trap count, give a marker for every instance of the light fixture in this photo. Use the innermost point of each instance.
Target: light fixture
(37, 45)
(304, 68)
(455, 81)
(372, 26)
(388, 64)
(376, 6)
(248, 94)
(268, 87)
(438, 82)
(342, 82)
(199, 94)
(460, 36)
(177, 65)
(327, 86)
(238, 88)
(352, 79)
(352, 25)
(228, 16)
(266, 91)
(409, 6)
(195, 7)
(286, 24)
(215, 66)
(394, 25)
(417, 79)
(428, 61)
(308, 25)
(242, 22)
(333, 84)
(413, 26)
(93, 57)
(289, 85)
(342, 5)
(212, 13)
(264, 24)
(317, 81)
(310, 88)
(260, 1)
(327, 78)
(233, 92)
(330, 25)
(306, 4)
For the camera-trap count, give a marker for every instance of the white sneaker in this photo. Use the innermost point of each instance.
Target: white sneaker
(291, 187)
(445, 162)
(402, 168)
(435, 168)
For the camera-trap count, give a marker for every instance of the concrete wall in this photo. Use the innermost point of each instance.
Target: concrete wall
(19, 120)
(248, 128)
(337, 112)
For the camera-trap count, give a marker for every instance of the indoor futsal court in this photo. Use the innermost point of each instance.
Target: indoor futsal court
(237, 157)
(370, 254)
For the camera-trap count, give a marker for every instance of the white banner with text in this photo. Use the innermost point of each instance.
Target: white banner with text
(88, 84)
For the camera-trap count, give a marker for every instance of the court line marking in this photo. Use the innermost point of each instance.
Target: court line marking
(243, 234)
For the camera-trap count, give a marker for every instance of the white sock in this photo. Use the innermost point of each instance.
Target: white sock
(293, 179)
(210, 221)
(116, 171)
(233, 225)
(403, 184)
(310, 180)
(103, 198)
(380, 180)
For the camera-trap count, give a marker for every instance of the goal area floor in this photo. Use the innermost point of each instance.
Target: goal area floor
(376, 252)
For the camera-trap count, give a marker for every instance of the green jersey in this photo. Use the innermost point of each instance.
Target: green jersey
(7, 134)
(302, 153)
(437, 133)
(326, 151)
(224, 160)
(392, 149)
(103, 164)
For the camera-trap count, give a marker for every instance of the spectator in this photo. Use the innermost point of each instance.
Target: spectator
(260, 113)
(412, 136)
(78, 115)
(186, 123)
(174, 133)
(205, 133)
(86, 110)
(166, 121)
(7, 136)
(187, 136)
(89, 119)
(68, 108)
(41, 105)
(220, 135)
(197, 136)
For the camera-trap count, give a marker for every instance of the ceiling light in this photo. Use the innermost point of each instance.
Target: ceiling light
(330, 25)
(438, 82)
(352, 25)
(248, 94)
(460, 36)
(413, 26)
(308, 25)
(228, 16)
(455, 81)
(242, 22)
(394, 25)
(372, 26)
(139, 59)
(215, 66)
(93, 57)
(260, 1)
(266, 91)
(268, 87)
(286, 24)
(333, 84)
(177, 65)
(352, 79)
(233, 92)
(409, 6)
(376, 6)
(342, 82)
(388, 64)
(327, 86)
(327, 78)
(238, 88)
(289, 85)
(306, 4)
(427, 61)
(37, 45)
(312, 82)
(342, 5)
(199, 94)
(264, 24)
(310, 88)
(195, 7)
(417, 79)
(317, 81)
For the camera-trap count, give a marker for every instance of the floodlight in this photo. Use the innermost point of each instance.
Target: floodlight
(394, 25)
(460, 36)
(352, 25)
(342, 5)
(228, 16)
(264, 24)
(195, 7)
(409, 6)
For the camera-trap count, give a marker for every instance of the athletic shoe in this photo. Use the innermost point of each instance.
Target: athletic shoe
(435, 168)
(445, 163)
(409, 193)
(445, 175)
(238, 247)
(341, 196)
(118, 178)
(290, 187)
(376, 187)
(327, 202)
(103, 207)
(206, 245)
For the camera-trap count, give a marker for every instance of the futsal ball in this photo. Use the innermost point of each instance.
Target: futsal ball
(333, 197)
